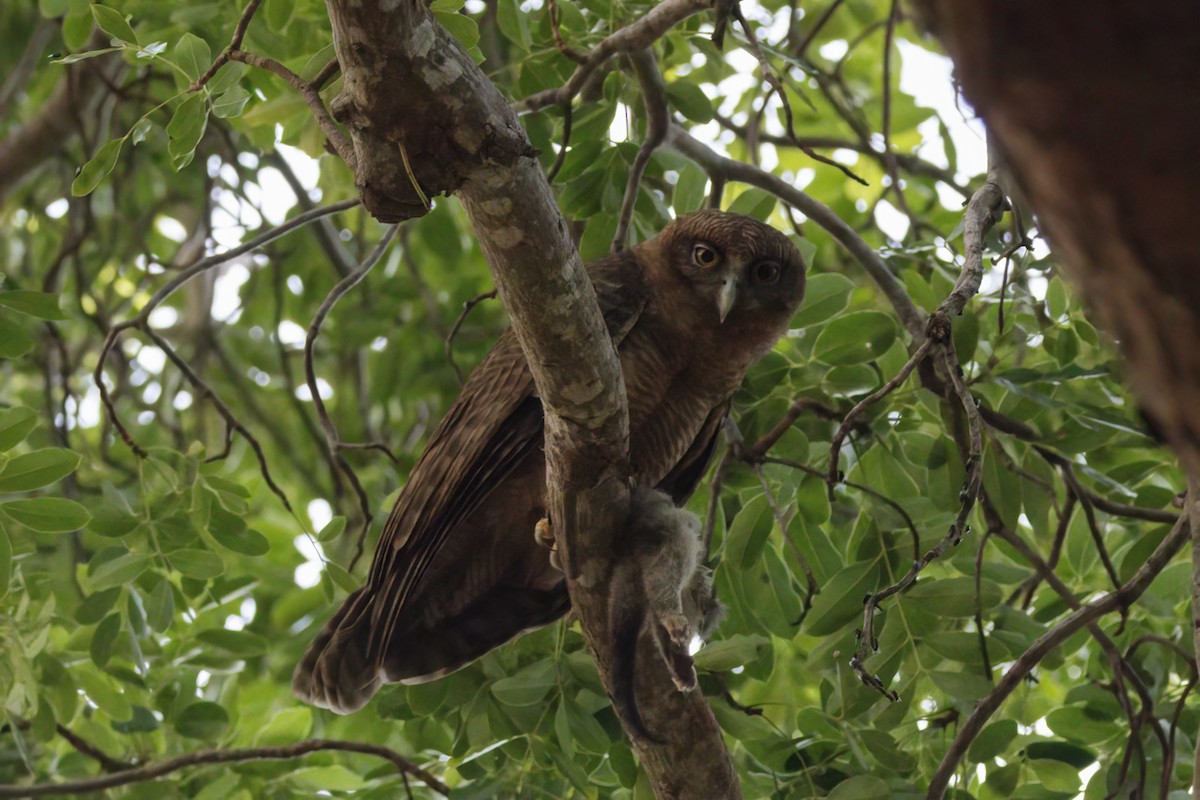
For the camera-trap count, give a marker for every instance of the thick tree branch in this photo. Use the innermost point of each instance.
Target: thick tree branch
(411, 93)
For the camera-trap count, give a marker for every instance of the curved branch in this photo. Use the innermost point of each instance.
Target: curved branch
(150, 772)
(658, 117)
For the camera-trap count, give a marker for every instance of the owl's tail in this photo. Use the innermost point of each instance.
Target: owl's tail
(339, 673)
(336, 672)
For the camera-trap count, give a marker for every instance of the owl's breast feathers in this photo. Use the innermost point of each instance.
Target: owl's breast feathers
(457, 570)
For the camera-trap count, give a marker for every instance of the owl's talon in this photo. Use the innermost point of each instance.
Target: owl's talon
(543, 534)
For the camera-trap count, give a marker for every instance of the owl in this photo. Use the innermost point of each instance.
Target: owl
(458, 569)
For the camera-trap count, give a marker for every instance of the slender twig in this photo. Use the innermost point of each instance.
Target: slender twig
(203, 390)
(1089, 513)
(907, 161)
(332, 441)
(151, 772)
(637, 35)
(564, 142)
(312, 96)
(799, 406)
(773, 79)
(559, 42)
(839, 436)
(458, 323)
(826, 15)
(106, 762)
(235, 43)
(654, 100)
(781, 520)
(167, 289)
(979, 631)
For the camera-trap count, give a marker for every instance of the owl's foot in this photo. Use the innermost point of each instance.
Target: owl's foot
(543, 534)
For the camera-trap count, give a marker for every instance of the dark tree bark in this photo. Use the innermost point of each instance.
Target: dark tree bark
(425, 120)
(1094, 105)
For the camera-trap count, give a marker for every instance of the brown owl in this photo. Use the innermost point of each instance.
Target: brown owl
(457, 570)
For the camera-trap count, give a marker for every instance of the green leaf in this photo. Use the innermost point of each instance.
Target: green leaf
(199, 564)
(160, 607)
(93, 171)
(103, 639)
(513, 23)
(341, 577)
(690, 189)
(952, 597)
(861, 787)
(243, 644)
(1056, 298)
(754, 203)
(230, 103)
(993, 740)
(826, 295)
(15, 425)
(192, 55)
(748, 533)
(527, 687)
(1056, 775)
(333, 778)
(186, 128)
(14, 341)
(5, 563)
(202, 720)
(113, 23)
(288, 726)
(37, 469)
(112, 522)
(120, 570)
(100, 690)
(141, 721)
(855, 338)
(690, 100)
(248, 542)
(332, 530)
(1064, 752)
(47, 514)
(461, 27)
(736, 651)
(840, 599)
(42, 305)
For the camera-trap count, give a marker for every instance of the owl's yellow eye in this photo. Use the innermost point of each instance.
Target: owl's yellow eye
(704, 256)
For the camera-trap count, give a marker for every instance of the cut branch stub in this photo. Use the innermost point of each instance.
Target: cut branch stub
(401, 164)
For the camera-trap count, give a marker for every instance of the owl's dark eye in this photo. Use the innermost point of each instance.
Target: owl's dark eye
(705, 256)
(765, 272)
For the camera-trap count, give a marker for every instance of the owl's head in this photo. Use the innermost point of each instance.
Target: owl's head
(746, 272)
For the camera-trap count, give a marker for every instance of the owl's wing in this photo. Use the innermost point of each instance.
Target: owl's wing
(493, 425)
(684, 477)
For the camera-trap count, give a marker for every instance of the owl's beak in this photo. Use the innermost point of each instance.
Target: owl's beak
(726, 298)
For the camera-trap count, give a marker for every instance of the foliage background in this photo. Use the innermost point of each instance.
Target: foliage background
(154, 605)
